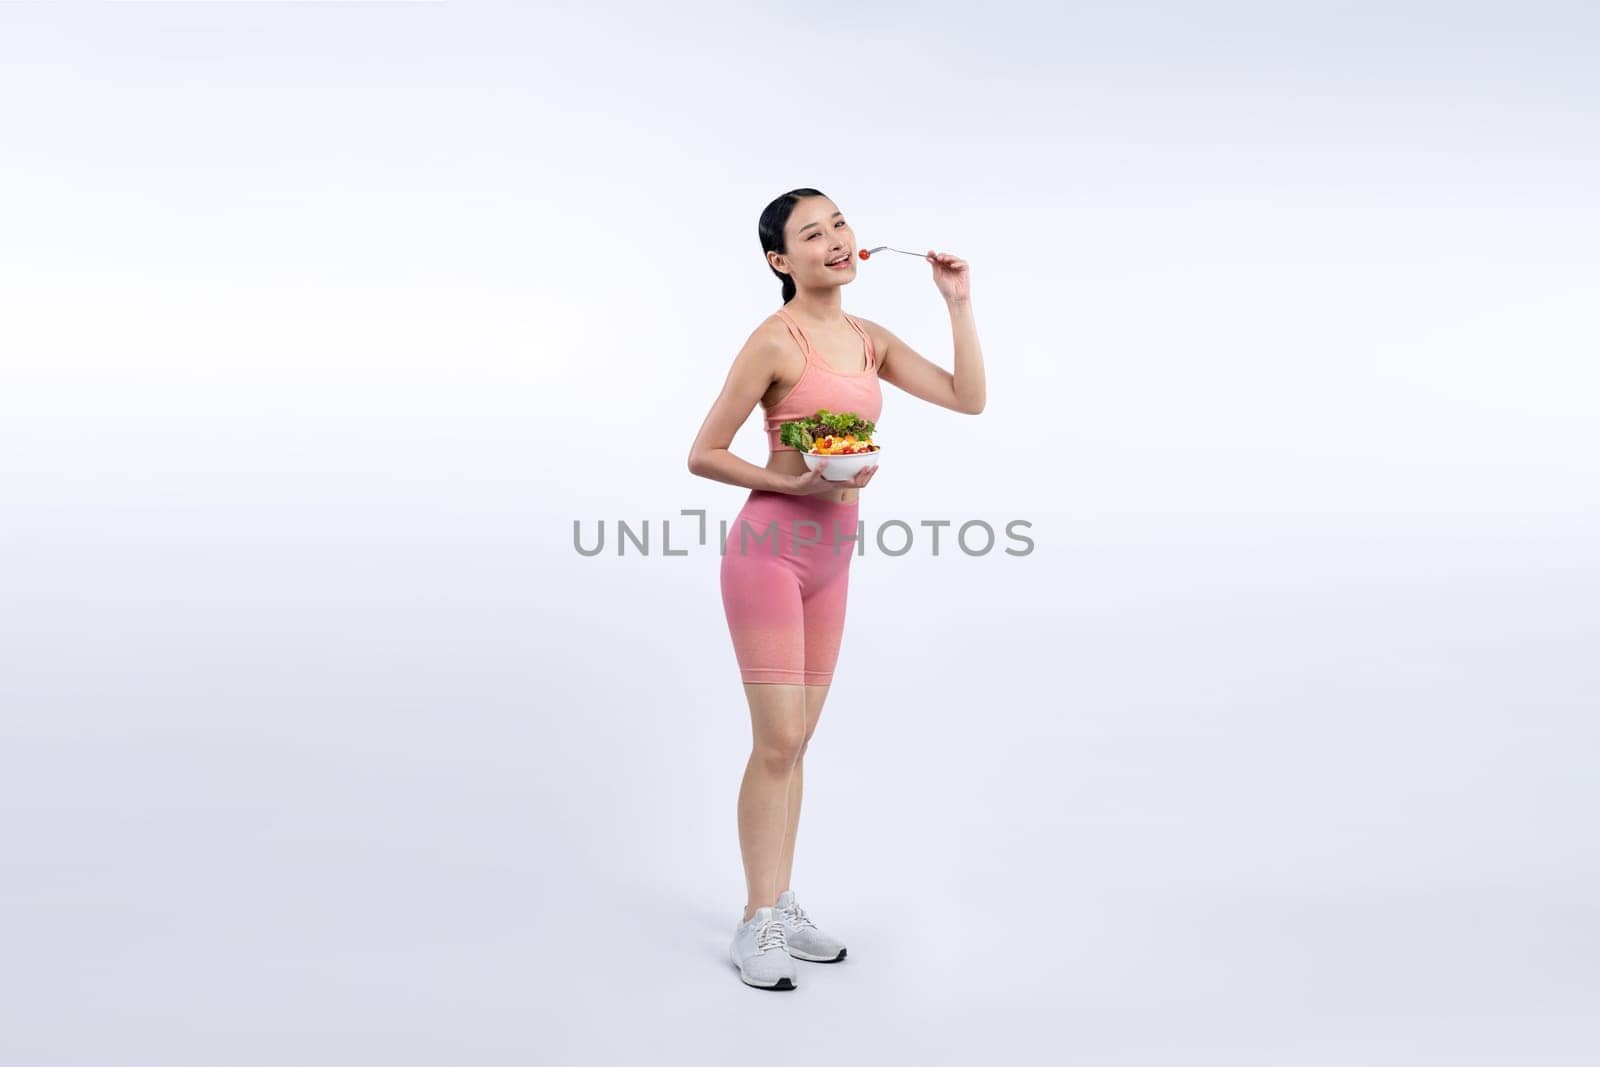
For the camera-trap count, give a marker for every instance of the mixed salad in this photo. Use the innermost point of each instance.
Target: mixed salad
(829, 433)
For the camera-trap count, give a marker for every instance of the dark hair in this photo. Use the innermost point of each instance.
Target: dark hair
(774, 217)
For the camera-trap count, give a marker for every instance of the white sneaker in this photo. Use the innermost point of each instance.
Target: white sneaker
(760, 953)
(801, 936)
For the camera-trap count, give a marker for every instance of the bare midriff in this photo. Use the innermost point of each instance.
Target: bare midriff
(793, 463)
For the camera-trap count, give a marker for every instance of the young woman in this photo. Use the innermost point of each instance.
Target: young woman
(784, 595)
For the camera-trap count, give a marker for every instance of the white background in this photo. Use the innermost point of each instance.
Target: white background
(321, 324)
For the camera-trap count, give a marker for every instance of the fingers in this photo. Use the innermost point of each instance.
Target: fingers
(946, 260)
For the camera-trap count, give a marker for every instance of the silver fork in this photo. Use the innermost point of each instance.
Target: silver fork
(886, 248)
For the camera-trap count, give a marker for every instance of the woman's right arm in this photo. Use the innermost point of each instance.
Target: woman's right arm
(754, 370)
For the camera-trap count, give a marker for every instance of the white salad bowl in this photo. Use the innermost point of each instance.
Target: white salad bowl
(842, 468)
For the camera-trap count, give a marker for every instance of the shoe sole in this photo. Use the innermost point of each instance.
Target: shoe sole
(797, 954)
(782, 983)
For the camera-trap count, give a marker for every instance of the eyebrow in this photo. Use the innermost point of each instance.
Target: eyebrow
(808, 225)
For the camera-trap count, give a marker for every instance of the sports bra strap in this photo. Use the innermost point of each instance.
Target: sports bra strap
(810, 350)
(872, 350)
(796, 332)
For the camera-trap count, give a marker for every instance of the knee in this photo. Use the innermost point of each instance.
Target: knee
(780, 752)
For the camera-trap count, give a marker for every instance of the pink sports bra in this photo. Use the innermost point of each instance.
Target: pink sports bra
(820, 386)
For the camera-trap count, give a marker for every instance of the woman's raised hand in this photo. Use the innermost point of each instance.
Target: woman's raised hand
(950, 275)
(812, 482)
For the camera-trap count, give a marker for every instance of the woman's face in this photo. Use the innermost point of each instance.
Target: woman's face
(815, 235)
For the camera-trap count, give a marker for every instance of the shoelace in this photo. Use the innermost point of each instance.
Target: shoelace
(798, 916)
(769, 935)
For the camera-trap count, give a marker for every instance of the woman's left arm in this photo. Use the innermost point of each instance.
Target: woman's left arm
(901, 365)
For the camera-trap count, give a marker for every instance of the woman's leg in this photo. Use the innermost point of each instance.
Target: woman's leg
(784, 614)
(816, 695)
(778, 734)
(823, 603)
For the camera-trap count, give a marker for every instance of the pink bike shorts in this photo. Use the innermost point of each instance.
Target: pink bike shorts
(784, 585)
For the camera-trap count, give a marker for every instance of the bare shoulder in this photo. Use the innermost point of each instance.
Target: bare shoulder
(765, 345)
(772, 331)
(762, 357)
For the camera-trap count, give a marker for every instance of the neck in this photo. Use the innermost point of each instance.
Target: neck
(818, 305)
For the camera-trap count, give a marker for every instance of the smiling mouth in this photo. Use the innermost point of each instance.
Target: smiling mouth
(836, 264)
